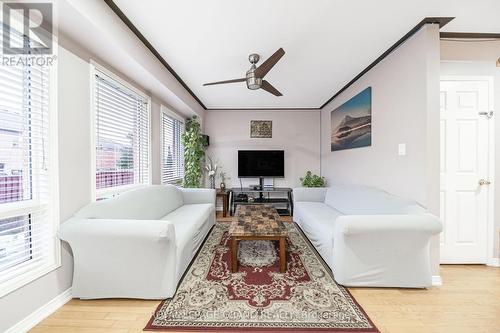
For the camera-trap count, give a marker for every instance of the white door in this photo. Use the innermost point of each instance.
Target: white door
(465, 160)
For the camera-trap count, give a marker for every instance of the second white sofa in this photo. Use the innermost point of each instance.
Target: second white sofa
(368, 237)
(138, 244)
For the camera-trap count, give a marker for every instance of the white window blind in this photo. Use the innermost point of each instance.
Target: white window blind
(28, 216)
(121, 135)
(172, 168)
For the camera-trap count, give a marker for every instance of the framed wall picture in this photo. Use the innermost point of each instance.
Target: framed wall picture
(352, 122)
(261, 128)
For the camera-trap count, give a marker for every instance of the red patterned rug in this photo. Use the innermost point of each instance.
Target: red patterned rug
(258, 298)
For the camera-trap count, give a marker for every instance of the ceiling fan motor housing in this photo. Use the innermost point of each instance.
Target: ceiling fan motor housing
(253, 82)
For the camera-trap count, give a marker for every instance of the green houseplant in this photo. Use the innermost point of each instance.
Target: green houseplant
(193, 153)
(310, 180)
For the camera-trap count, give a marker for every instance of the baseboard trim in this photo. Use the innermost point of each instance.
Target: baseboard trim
(493, 262)
(41, 313)
(437, 281)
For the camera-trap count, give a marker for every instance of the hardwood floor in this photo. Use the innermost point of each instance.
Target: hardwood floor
(468, 302)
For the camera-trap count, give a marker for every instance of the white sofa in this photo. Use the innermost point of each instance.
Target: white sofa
(368, 237)
(138, 244)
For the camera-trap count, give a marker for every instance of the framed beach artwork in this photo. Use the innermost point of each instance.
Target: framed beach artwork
(351, 123)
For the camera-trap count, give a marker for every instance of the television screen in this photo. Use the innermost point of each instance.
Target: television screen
(261, 163)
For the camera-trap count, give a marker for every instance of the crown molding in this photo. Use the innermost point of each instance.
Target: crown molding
(114, 7)
(265, 109)
(441, 21)
(469, 35)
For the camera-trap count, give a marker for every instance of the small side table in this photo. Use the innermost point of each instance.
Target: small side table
(224, 194)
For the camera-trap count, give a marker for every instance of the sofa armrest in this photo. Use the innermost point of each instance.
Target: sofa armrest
(198, 195)
(426, 224)
(309, 194)
(383, 250)
(110, 254)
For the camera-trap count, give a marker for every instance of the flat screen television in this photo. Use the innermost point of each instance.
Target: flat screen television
(261, 163)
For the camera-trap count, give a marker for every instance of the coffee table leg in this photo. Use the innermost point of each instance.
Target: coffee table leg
(282, 255)
(234, 255)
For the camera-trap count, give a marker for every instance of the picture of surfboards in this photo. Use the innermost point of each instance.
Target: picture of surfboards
(351, 122)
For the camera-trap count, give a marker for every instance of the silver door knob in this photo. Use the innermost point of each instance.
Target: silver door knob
(484, 182)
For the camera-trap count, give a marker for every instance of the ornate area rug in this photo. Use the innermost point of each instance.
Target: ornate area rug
(258, 297)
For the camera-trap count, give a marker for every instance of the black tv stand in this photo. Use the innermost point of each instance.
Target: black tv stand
(279, 197)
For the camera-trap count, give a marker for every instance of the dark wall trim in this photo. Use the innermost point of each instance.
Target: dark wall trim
(472, 35)
(442, 21)
(264, 109)
(143, 39)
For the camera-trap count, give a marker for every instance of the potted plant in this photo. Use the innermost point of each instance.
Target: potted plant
(311, 180)
(223, 177)
(193, 153)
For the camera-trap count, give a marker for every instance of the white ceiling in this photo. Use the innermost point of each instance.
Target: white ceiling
(327, 42)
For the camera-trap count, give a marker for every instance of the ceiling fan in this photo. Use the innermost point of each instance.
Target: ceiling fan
(255, 75)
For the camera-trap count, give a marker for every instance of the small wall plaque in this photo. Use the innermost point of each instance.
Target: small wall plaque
(261, 128)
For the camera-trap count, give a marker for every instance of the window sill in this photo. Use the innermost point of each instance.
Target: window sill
(176, 182)
(110, 192)
(27, 274)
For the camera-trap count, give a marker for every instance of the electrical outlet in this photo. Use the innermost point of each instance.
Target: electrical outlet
(402, 149)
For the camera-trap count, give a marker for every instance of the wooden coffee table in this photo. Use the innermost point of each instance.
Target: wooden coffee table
(257, 222)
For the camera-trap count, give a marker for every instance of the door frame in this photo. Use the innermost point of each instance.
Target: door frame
(490, 243)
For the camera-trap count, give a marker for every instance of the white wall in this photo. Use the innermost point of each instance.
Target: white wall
(296, 132)
(405, 109)
(74, 173)
(478, 59)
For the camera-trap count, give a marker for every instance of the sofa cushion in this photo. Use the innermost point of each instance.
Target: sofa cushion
(187, 220)
(145, 203)
(190, 223)
(317, 221)
(364, 200)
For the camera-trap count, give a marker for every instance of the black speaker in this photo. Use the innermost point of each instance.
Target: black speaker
(206, 140)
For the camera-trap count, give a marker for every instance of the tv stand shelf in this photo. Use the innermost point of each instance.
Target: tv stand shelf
(279, 197)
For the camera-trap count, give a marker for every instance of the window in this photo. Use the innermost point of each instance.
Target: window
(29, 247)
(172, 165)
(121, 132)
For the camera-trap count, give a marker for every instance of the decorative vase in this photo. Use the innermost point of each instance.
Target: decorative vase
(222, 186)
(212, 182)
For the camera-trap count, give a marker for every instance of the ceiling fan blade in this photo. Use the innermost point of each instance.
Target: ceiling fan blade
(269, 88)
(223, 82)
(266, 66)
